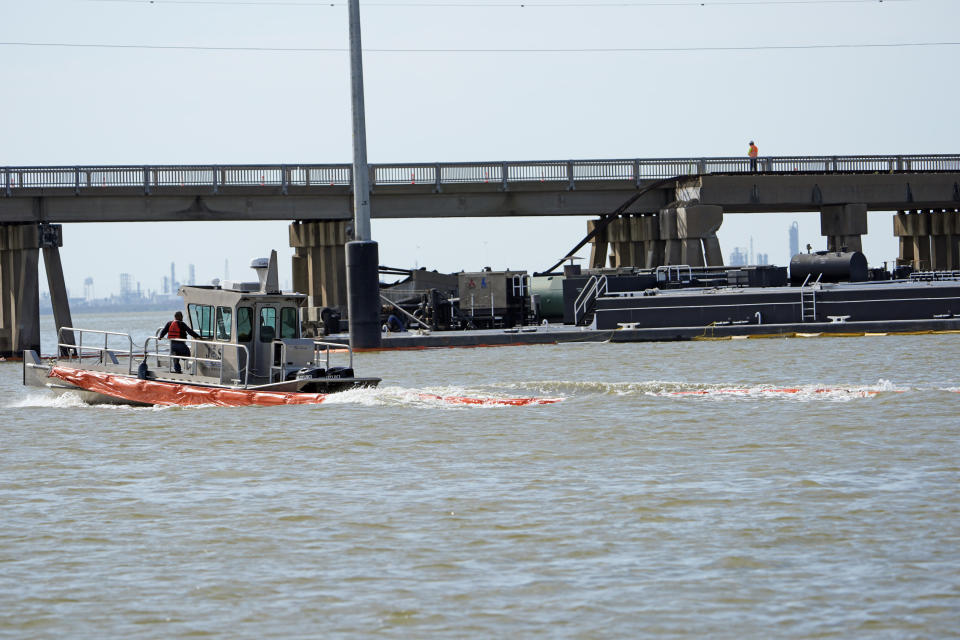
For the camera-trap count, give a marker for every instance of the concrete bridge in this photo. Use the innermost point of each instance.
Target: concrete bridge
(678, 206)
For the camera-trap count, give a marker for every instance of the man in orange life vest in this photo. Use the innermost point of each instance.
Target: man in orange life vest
(753, 153)
(178, 329)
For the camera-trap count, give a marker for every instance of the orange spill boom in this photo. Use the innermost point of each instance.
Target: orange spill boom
(174, 394)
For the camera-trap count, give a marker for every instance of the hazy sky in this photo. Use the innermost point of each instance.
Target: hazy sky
(90, 105)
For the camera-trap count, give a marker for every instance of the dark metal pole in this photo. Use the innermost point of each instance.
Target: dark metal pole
(363, 279)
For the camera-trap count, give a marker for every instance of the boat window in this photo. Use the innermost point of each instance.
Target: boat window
(244, 324)
(201, 317)
(288, 322)
(268, 324)
(224, 320)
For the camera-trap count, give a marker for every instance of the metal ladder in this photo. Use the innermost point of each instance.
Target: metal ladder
(586, 302)
(808, 299)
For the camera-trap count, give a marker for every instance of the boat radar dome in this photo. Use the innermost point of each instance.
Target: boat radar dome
(267, 273)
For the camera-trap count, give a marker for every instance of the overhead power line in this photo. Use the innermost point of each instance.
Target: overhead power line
(502, 4)
(785, 47)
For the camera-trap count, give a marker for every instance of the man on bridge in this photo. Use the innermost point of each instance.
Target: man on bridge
(753, 153)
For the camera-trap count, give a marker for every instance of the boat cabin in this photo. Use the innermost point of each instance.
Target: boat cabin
(254, 325)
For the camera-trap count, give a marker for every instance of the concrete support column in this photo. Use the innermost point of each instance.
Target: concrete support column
(632, 236)
(653, 256)
(939, 254)
(953, 239)
(844, 225)
(319, 262)
(635, 239)
(19, 289)
(690, 234)
(618, 235)
(913, 230)
(598, 246)
(672, 249)
(51, 239)
(944, 240)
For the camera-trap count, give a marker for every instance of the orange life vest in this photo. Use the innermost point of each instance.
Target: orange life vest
(174, 332)
(754, 151)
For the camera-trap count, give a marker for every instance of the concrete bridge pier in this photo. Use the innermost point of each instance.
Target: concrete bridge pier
(599, 246)
(624, 234)
(653, 257)
(913, 230)
(929, 240)
(690, 235)
(844, 225)
(20, 246)
(319, 262)
(634, 238)
(19, 289)
(945, 240)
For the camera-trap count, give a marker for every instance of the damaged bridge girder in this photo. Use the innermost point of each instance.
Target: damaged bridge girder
(765, 193)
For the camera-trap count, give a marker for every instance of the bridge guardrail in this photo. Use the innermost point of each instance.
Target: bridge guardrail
(84, 179)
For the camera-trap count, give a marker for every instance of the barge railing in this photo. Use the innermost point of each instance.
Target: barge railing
(665, 273)
(931, 276)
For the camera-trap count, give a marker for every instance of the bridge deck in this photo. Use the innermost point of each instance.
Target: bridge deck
(483, 189)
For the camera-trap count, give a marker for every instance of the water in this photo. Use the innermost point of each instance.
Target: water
(632, 508)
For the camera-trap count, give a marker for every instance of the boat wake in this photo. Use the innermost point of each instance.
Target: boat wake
(668, 389)
(443, 397)
(539, 393)
(39, 400)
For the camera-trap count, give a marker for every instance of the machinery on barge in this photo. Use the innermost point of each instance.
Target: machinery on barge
(819, 287)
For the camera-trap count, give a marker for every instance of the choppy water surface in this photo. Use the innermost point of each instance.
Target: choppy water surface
(754, 488)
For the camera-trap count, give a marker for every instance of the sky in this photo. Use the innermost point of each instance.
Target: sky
(461, 80)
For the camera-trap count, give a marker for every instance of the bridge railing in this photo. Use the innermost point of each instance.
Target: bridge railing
(568, 172)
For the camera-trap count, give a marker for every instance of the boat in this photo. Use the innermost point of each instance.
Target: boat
(250, 352)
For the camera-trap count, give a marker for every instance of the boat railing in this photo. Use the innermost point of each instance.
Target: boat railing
(214, 358)
(326, 348)
(321, 356)
(72, 347)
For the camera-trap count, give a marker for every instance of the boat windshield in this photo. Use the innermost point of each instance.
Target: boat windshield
(288, 322)
(268, 324)
(224, 326)
(201, 317)
(244, 324)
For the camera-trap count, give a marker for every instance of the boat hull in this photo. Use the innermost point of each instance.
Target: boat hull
(104, 387)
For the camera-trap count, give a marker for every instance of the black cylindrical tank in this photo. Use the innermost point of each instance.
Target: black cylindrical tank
(829, 266)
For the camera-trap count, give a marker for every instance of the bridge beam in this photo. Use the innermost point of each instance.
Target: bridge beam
(19, 289)
(844, 225)
(319, 262)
